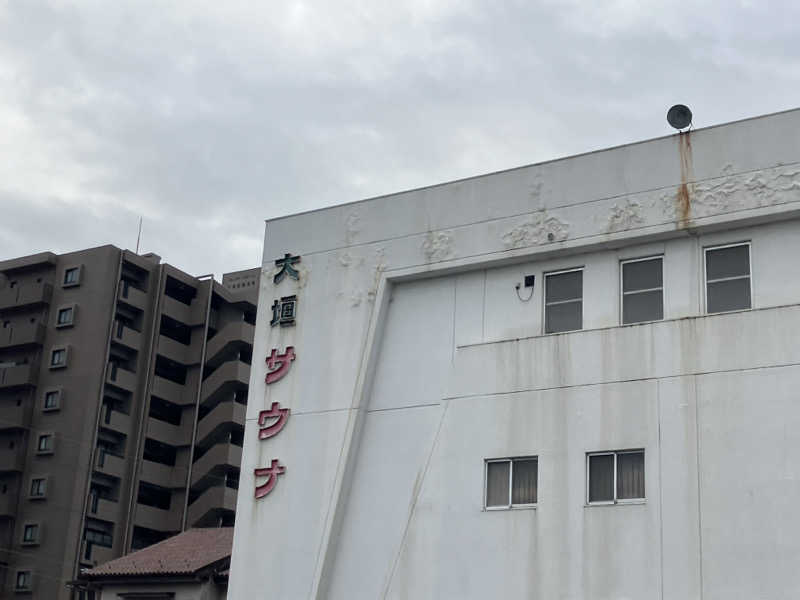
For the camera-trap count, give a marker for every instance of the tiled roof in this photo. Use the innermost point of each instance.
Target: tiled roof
(183, 554)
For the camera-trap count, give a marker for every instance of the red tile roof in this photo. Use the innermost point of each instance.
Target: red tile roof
(183, 554)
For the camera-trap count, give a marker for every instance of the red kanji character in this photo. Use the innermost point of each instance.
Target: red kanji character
(271, 473)
(278, 364)
(275, 412)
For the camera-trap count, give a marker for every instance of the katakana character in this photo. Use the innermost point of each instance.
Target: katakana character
(285, 265)
(271, 473)
(278, 364)
(275, 412)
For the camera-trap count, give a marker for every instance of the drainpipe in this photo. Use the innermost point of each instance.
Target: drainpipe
(197, 399)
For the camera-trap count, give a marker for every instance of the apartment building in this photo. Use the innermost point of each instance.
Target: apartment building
(123, 385)
(576, 379)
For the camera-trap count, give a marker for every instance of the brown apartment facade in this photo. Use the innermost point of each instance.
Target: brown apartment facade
(123, 387)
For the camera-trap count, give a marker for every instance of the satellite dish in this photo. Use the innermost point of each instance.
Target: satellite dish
(679, 116)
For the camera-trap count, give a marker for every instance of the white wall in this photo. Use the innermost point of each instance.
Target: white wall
(183, 591)
(416, 361)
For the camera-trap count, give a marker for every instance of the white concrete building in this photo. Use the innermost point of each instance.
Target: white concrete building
(421, 357)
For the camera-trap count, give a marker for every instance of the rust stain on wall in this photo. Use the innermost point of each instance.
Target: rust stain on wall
(683, 200)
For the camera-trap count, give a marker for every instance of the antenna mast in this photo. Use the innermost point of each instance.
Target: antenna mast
(139, 236)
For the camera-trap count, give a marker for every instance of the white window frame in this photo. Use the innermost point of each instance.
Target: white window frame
(614, 453)
(510, 460)
(545, 303)
(706, 250)
(623, 293)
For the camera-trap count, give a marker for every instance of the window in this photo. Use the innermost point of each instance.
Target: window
(38, 487)
(511, 482)
(30, 533)
(728, 278)
(642, 290)
(72, 276)
(58, 358)
(615, 476)
(23, 581)
(563, 301)
(52, 400)
(45, 444)
(65, 316)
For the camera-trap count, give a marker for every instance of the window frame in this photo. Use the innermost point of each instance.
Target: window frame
(545, 303)
(52, 448)
(59, 310)
(37, 538)
(45, 484)
(60, 365)
(510, 505)
(706, 250)
(29, 586)
(58, 395)
(68, 269)
(623, 293)
(616, 500)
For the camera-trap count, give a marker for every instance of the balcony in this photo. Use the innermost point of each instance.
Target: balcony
(213, 499)
(100, 508)
(109, 464)
(25, 295)
(171, 391)
(127, 337)
(121, 378)
(8, 504)
(220, 455)
(186, 355)
(224, 412)
(18, 336)
(231, 333)
(192, 315)
(12, 459)
(175, 435)
(131, 296)
(115, 421)
(13, 416)
(163, 475)
(235, 374)
(157, 518)
(18, 376)
(99, 554)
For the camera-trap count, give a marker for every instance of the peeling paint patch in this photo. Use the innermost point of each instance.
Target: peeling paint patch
(438, 246)
(352, 226)
(624, 215)
(346, 260)
(538, 229)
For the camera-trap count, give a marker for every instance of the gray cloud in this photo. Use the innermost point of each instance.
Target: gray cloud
(206, 117)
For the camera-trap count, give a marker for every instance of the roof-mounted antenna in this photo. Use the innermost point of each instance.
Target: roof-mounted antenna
(139, 236)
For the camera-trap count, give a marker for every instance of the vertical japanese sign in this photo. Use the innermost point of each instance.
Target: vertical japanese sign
(272, 421)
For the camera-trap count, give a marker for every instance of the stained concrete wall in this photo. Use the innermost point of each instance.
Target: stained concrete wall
(416, 361)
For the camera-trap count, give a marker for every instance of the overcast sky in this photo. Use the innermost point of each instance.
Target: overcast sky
(205, 118)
